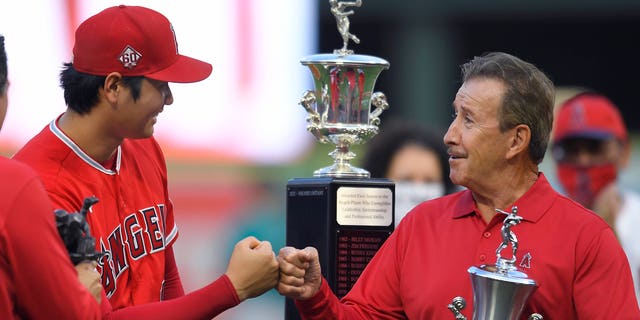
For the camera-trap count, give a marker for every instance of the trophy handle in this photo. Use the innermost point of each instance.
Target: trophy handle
(313, 118)
(308, 99)
(456, 306)
(379, 100)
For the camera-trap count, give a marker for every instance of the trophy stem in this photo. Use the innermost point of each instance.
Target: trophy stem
(342, 154)
(341, 167)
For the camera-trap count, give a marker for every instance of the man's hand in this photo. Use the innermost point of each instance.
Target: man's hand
(300, 275)
(253, 268)
(607, 204)
(90, 278)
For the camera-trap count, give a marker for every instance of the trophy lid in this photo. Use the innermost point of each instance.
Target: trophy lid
(496, 273)
(346, 60)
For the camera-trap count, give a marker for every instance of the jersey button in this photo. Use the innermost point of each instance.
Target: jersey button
(487, 234)
(483, 257)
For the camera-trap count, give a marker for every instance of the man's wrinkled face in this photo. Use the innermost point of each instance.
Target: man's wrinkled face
(475, 143)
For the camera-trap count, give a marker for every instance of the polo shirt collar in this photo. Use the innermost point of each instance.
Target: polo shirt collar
(531, 206)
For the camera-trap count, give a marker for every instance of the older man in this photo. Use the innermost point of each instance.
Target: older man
(503, 116)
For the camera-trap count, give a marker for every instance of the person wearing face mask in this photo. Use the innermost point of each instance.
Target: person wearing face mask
(590, 146)
(414, 157)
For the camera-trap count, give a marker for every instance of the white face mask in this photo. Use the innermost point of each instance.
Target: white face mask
(410, 194)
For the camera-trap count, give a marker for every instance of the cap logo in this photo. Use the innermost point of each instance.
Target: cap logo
(578, 118)
(175, 41)
(129, 57)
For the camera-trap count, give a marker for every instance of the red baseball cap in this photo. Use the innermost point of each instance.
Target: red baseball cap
(589, 115)
(135, 41)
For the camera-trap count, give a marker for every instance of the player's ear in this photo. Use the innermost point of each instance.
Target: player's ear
(112, 86)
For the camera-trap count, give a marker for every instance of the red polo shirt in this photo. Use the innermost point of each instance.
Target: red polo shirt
(572, 254)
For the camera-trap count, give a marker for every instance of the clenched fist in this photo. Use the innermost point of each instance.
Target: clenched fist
(253, 268)
(300, 275)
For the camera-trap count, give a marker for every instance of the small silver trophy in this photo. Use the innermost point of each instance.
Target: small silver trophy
(500, 291)
(339, 109)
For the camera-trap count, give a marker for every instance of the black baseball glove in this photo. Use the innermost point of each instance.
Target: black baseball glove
(75, 233)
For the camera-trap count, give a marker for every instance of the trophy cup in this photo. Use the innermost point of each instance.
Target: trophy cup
(500, 291)
(341, 211)
(339, 107)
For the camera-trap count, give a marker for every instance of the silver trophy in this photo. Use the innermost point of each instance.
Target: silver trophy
(500, 291)
(339, 109)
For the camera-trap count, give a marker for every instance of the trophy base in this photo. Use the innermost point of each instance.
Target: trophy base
(342, 170)
(347, 220)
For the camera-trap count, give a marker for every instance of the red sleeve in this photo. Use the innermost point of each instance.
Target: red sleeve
(373, 296)
(172, 287)
(46, 283)
(204, 303)
(323, 305)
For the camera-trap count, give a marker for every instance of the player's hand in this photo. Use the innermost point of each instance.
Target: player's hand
(253, 268)
(90, 278)
(300, 275)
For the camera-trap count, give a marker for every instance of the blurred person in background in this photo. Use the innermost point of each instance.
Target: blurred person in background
(590, 146)
(414, 157)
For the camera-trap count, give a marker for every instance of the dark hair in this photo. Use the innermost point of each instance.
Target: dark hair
(396, 134)
(81, 89)
(3, 68)
(528, 98)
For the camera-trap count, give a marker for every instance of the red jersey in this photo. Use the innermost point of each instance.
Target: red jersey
(581, 270)
(133, 220)
(37, 280)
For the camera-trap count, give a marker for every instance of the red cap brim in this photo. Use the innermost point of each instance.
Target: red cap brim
(183, 70)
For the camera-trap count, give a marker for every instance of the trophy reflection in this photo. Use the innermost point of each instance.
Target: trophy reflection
(500, 291)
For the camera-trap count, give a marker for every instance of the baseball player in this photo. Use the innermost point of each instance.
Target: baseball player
(36, 282)
(103, 146)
